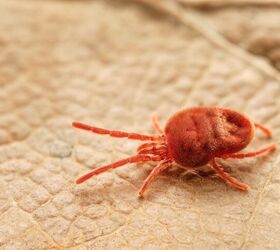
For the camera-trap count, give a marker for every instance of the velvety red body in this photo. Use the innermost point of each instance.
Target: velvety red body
(197, 135)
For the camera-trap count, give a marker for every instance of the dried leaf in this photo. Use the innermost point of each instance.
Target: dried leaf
(113, 63)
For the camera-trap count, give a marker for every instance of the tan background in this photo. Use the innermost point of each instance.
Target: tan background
(113, 63)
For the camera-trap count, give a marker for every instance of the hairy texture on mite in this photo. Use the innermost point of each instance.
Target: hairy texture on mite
(196, 135)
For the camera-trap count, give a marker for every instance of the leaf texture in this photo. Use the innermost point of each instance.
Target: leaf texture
(112, 64)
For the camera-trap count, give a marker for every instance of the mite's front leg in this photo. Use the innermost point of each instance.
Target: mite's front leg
(156, 124)
(152, 175)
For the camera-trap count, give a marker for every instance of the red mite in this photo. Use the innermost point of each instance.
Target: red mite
(192, 138)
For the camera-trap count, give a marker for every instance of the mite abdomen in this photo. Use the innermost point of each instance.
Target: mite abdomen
(196, 135)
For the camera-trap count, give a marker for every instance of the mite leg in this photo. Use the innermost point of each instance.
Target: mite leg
(267, 131)
(147, 145)
(156, 123)
(250, 154)
(228, 178)
(152, 175)
(114, 133)
(156, 149)
(136, 158)
(151, 146)
(160, 151)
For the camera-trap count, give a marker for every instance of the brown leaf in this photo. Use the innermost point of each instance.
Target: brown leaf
(112, 64)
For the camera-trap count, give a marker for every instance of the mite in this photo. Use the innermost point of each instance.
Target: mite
(192, 138)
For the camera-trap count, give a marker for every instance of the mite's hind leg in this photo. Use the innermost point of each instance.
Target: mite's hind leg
(156, 124)
(264, 129)
(232, 181)
(152, 175)
(250, 154)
